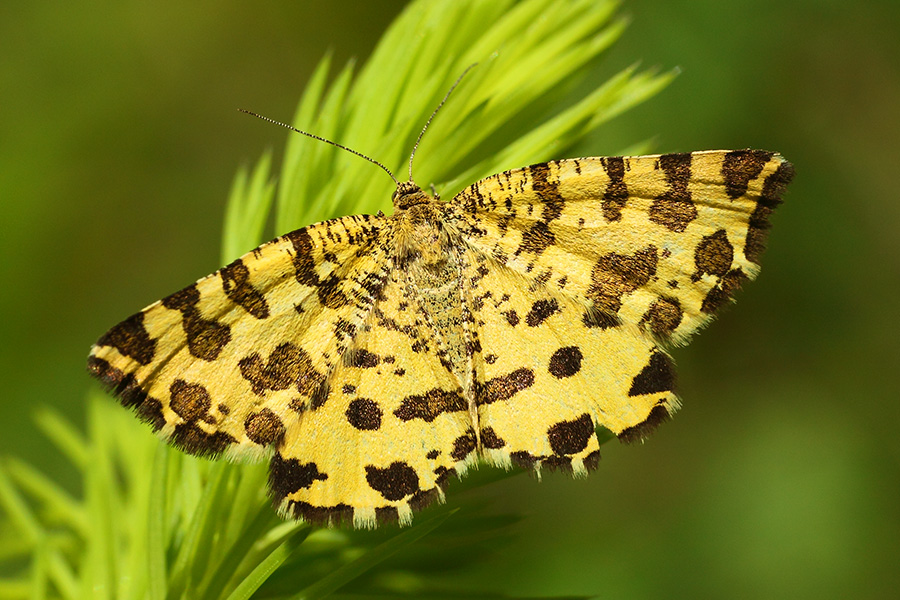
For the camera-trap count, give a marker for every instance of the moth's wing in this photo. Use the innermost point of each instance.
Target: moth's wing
(229, 363)
(580, 268)
(549, 372)
(391, 430)
(660, 242)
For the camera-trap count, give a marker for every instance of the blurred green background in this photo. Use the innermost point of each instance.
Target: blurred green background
(781, 476)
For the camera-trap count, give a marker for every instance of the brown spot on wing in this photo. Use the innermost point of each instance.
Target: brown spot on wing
(547, 190)
(616, 194)
(206, 338)
(236, 284)
(443, 474)
(344, 330)
(555, 462)
(713, 255)
(278, 372)
(599, 319)
(615, 275)
(361, 359)
(430, 405)
(115, 381)
(503, 387)
(565, 362)
(674, 208)
(490, 439)
(304, 265)
(396, 482)
(463, 445)
(264, 427)
(524, 459)
(328, 289)
(739, 167)
(658, 375)
(318, 394)
(321, 515)
(364, 414)
(288, 365)
(194, 440)
(330, 293)
(663, 316)
(131, 339)
(287, 476)
(190, 401)
(540, 311)
(538, 237)
(571, 437)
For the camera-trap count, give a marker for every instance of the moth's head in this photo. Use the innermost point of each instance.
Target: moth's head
(409, 194)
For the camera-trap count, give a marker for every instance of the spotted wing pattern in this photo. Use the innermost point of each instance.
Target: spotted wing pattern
(551, 370)
(584, 269)
(392, 429)
(660, 242)
(379, 355)
(229, 363)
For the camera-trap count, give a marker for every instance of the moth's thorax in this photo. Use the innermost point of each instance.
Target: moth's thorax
(408, 194)
(422, 241)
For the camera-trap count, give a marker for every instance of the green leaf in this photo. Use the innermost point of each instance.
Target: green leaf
(61, 574)
(99, 575)
(529, 56)
(59, 505)
(68, 439)
(194, 553)
(236, 553)
(21, 515)
(14, 589)
(156, 526)
(266, 567)
(247, 209)
(298, 166)
(347, 573)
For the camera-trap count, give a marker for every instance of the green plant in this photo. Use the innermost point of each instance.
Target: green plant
(155, 523)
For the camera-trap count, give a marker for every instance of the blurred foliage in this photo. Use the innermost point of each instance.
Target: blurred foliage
(778, 479)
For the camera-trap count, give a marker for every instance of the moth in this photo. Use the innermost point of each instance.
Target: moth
(372, 357)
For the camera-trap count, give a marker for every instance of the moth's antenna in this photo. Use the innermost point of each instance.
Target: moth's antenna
(427, 123)
(321, 139)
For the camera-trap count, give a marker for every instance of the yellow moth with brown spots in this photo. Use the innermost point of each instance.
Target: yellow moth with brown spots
(379, 355)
